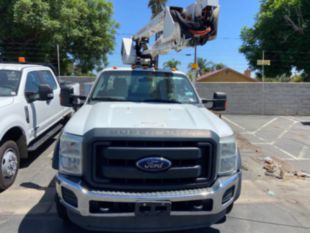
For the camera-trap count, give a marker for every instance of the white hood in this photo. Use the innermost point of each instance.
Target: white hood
(5, 101)
(143, 115)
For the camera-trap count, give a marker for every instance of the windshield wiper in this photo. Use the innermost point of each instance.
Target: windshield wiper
(162, 101)
(107, 99)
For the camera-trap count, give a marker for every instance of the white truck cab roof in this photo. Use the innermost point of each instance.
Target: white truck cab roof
(18, 67)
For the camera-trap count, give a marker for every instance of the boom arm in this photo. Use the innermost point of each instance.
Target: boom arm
(178, 28)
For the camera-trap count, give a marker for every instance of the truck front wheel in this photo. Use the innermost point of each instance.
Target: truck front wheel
(9, 159)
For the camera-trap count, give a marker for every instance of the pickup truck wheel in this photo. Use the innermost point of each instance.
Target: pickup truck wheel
(9, 159)
(61, 210)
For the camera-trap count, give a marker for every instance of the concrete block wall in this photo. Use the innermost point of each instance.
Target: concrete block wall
(77, 79)
(258, 98)
(85, 82)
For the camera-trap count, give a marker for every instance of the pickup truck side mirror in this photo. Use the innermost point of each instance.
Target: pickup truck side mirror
(45, 92)
(66, 96)
(219, 102)
(68, 99)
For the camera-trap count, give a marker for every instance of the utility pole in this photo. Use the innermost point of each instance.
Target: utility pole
(263, 73)
(263, 63)
(58, 59)
(195, 66)
(195, 55)
(263, 67)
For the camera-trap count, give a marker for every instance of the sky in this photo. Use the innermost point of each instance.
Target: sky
(132, 15)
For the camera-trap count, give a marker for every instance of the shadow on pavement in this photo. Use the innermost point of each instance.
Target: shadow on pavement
(42, 218)
(30, 185)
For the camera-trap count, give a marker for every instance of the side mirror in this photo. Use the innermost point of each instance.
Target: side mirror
(66, 96)
(45, 92)
(219, 102)
(32, 97)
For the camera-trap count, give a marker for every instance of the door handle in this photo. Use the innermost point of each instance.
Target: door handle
(27, 114)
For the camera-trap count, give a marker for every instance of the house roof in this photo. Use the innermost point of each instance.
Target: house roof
(212, 73)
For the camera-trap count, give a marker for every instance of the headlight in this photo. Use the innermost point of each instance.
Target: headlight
(70, 154)
(228, 156)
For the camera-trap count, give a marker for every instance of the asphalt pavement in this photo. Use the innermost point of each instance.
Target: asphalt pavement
(285, 138)
(266, 205)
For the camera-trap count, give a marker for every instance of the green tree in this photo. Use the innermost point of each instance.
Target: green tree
(219, 66)
(84, 31)
(282, 30)
(204, 65)
(172, 64)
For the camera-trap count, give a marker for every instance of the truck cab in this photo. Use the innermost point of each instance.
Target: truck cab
(144, 154)
(29, 111)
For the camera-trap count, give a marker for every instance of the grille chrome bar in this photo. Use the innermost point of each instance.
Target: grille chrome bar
(133, 173)
(130, 153)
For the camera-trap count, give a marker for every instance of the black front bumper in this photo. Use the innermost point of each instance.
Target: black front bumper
(145, 224)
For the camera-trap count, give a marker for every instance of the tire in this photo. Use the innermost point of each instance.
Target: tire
(61, 210)
(9, 164)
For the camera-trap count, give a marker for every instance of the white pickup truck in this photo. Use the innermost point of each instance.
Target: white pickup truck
(29, 111)
(144, 154)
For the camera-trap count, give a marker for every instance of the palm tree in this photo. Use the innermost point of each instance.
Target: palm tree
(172, 64)
(204, 65)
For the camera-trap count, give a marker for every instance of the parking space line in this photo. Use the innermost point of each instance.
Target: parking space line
(304, 159)
(262, 143)
(291, 119)
(277, 148)
(265, 125)
(283, 133)
(303, 152)
(233, 123)
(285, 152)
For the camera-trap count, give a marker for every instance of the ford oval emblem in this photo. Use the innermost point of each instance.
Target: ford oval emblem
(154, 164)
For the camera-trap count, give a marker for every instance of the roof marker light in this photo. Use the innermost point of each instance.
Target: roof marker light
(21, 59)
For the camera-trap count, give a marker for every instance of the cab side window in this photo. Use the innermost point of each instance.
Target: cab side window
(48, 78)
(33, 82)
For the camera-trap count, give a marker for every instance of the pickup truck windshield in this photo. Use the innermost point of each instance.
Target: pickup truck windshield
(144, 86)
(9, 82)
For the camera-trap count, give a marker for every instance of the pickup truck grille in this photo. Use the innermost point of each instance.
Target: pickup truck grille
(114, 165)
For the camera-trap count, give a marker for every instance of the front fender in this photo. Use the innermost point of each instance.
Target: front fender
(13, 121)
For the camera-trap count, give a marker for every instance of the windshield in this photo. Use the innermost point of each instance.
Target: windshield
(9, 82)
(144, 86)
